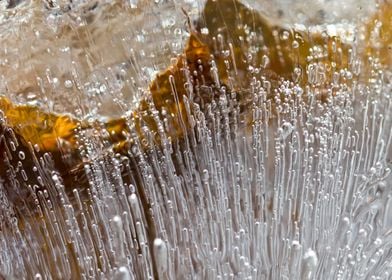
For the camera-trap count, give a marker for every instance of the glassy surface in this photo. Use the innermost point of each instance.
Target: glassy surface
(218, 139)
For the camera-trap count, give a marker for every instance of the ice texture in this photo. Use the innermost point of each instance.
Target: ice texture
(292, 183)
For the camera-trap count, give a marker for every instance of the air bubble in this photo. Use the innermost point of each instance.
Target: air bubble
(284, 35)
(68, 84)
(161, 256)
(21, 155)
(204, 31)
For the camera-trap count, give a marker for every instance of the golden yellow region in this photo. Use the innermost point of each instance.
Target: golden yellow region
(38, 127)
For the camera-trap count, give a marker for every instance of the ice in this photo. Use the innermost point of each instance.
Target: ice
(250, 175)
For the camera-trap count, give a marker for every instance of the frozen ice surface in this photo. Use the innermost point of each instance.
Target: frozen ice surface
(86, 57)
(312, 12)
(296, 187)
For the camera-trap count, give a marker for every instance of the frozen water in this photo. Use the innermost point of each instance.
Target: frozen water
(272, 178)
